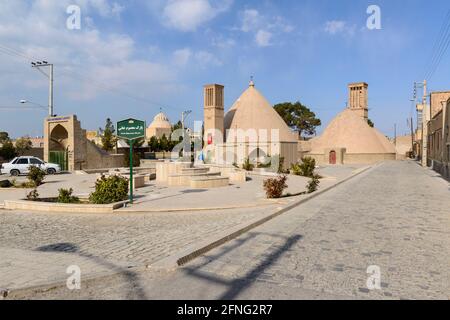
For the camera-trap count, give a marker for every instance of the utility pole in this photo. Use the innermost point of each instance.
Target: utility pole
(412, 138)
(38, 65)
(427, 115)
(425, 111)
(395, 135)
(184, 115)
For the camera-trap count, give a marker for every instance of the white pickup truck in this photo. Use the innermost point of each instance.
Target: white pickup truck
(21, 165)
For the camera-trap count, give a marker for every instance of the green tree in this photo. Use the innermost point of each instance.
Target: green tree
(4, 137)
(154, 144)
(164, 143)
(7, 151)
(177, 126)
(298, 117)
(23, 145)
(370, 123)
(108, 138)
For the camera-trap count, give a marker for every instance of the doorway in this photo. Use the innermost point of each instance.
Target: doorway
(332, 157)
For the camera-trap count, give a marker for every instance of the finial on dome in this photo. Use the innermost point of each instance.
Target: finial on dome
(252, 83)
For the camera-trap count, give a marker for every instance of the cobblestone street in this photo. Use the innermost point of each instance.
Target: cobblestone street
(395, 216)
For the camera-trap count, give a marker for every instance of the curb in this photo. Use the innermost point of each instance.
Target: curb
(197, 250)
(125, 211)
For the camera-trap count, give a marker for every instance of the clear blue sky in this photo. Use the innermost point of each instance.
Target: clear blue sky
(131, 58)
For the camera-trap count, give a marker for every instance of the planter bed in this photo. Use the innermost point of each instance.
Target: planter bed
(50, 205)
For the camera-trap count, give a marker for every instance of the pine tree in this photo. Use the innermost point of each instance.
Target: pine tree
(108, 138)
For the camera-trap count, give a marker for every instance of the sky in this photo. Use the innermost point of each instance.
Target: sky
(134, 58)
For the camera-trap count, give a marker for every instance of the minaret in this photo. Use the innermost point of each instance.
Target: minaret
(358, 99)
(214, 113)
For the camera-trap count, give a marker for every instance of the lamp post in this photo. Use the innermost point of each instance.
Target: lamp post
(184, 115)
(41, 64)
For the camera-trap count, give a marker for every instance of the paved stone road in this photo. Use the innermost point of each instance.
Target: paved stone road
(395, 216)
(37, 248)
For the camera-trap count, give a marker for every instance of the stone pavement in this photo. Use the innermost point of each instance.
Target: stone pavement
(37, 248)
(395, 216)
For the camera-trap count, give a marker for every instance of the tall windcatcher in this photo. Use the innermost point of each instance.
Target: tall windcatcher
(214, 113)
(358, 99)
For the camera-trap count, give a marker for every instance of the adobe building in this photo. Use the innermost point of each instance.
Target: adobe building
(438, 138)
(66, 144)
(404, 146)
(349, 139)
(250, 129)
(159, 127)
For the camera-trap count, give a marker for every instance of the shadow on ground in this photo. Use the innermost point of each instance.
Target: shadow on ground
(131, 278)
(238, 285)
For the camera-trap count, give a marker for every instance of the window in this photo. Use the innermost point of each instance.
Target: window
(22, 161)
(35, 161)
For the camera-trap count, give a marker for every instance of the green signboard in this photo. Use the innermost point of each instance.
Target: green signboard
(131, 129)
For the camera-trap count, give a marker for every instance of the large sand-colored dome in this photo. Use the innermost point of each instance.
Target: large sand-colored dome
(350, 131)
(161, 121)
(253, 111)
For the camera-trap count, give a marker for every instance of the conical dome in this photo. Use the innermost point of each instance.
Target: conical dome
(352, 132)
(161, 121)
(253, 111)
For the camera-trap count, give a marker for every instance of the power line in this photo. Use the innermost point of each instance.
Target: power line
(15, 53)
(440, 47)
(437, 42)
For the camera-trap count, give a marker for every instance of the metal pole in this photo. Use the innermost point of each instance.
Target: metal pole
(50, 95)
(413, 155)
(395, 134)
(131, 171)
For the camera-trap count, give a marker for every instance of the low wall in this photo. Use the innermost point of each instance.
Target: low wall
(353, 158)
(62, 207)
(99, 159)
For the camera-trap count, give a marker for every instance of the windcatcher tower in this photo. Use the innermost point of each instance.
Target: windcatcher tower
(358, 99)
(214, 113)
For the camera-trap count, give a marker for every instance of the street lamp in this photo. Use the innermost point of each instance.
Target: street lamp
(38, 65)
(23, 101)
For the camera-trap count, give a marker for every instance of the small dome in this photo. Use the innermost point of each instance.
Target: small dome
(161, 121)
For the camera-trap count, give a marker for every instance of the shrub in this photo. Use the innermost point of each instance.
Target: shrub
(274, 187)
(33, 195)
(65, 196)
(136, 160)
(248, 166)
(36, 176)
(5, 184)
(305, 168)
(313, 184)
(110, 190)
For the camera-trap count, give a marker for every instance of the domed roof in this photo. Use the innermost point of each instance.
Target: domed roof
(161, 121)
(350, 131)
(253, 111)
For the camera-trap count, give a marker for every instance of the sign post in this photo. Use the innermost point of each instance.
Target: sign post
(131, 130)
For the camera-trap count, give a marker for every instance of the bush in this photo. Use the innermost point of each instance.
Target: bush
(136, 160)
(313, 184)
(5, 184)
(33, 195)
(305, 168)
(36, 176)
(274, 187)
(110, 190)
(65, 196)
(248, 166)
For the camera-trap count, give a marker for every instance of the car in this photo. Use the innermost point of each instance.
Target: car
(21, 165)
